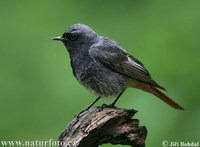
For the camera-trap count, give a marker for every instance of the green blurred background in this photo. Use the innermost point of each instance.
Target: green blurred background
(39, 95)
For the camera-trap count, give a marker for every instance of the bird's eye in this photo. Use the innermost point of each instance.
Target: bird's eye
(72, 37)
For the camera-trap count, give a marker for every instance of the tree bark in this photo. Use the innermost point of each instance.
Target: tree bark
(102, 125)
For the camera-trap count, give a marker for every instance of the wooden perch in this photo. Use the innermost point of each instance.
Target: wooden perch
(102, 125)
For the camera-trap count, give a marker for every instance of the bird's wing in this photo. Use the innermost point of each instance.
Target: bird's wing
(119, 61)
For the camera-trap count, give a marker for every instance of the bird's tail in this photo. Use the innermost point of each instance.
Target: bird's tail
(165, 98)
(156, 92)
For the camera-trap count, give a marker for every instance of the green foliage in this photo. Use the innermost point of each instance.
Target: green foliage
(38, 93)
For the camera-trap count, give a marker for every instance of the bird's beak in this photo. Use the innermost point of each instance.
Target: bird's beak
(58, 38)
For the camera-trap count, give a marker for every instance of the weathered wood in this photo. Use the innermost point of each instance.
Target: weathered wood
(102, 125)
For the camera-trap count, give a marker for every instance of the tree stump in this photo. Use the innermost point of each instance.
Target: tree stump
(100, 125)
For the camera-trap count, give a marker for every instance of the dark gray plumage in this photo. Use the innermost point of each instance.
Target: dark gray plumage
(102, 65)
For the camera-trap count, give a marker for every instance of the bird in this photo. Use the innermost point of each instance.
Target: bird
(105, 68)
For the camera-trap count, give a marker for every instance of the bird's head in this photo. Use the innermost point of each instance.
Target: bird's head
(78, 35)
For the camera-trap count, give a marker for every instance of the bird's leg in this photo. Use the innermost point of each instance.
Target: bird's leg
(77, 115)
(113, 104)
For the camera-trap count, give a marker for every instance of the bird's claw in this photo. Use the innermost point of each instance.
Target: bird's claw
(77, 115)
(107, 106)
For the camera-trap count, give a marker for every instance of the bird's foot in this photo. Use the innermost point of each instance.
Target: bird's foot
(77, 115)
(112, 105)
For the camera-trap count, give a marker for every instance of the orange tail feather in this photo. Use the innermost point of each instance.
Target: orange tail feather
(165, 98)
(156, 92)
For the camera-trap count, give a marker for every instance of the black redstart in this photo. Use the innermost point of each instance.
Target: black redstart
(104, 67)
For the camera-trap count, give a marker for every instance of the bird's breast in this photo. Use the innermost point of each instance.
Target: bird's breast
(99, 80)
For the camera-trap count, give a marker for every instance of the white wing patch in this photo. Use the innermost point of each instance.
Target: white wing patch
(134, 63)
